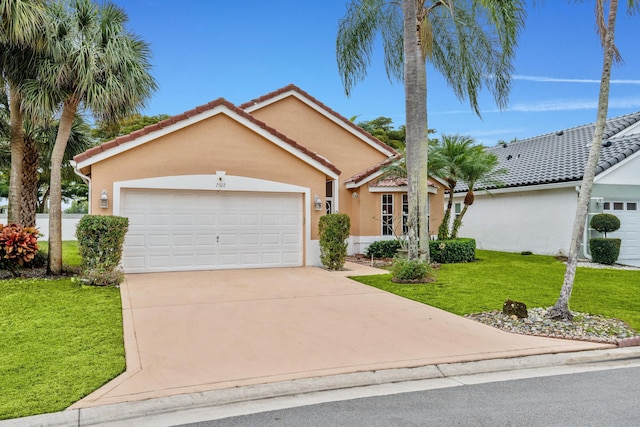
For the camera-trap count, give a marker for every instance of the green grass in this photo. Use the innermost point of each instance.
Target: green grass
(70, 254)
(534, 279)
(59, 341)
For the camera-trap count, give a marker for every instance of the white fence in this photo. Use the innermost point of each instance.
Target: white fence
(69, 223)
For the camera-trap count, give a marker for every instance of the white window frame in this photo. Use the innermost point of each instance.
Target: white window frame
(386, 213)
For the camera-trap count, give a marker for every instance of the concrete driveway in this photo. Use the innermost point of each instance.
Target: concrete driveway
(195, 331)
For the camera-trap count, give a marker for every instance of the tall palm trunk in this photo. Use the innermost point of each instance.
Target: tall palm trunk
(29, 193)
(14, 212)
(415, 86)
(69, 109)
(561, 307)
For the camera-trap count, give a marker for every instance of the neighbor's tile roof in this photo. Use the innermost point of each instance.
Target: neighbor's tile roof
(562, 156)
(343, 119)
(195, 111)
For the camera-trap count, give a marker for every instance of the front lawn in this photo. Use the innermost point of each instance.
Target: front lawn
(59, 341)
(533, 279)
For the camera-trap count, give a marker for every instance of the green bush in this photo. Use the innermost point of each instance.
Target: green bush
(410, 270)
(100, 241)
(604, 251)
(334, 230)
(605, 223)
(452, 251)
(383, 249)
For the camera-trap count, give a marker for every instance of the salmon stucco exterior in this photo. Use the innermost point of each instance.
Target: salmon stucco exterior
(225, 186)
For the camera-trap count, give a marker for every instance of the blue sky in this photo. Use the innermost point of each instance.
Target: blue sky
(240, 50)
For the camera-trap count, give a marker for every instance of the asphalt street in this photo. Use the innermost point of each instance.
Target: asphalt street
(598, 398)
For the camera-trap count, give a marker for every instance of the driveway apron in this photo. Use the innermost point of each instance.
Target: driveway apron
(189, 332)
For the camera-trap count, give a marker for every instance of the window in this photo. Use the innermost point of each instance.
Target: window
(405, 214)
(632, 206)
(387, 214)
(607, 206)
(457, 209)
(618, 206)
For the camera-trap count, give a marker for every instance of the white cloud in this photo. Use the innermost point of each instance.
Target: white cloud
(561, 80)
(569, 105)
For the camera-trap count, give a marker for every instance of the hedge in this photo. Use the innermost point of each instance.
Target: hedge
(452, 251)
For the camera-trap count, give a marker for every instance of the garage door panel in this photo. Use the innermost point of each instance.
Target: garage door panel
(182, 230)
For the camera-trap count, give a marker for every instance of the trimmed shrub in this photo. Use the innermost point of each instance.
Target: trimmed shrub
(383, 249)
(411, 271)
(452, 251)
(605, 223)
(18, 246)
(334, 230)
(604, 251)
(100, 241)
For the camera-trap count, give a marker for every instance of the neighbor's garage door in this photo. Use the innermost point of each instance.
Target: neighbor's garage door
(177, 230)
(629, 232)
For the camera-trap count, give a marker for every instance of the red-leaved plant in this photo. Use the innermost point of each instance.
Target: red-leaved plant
(18, 245)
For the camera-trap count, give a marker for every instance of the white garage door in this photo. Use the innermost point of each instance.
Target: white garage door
(629, 232)
(177, 230)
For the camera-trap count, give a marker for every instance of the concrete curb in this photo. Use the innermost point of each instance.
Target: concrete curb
(131, 410)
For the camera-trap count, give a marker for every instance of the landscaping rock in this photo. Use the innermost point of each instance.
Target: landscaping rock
(515, 308)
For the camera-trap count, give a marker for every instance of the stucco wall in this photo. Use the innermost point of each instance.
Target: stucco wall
(215, 144)
(369, 227)
(319, 134)
(536, 221)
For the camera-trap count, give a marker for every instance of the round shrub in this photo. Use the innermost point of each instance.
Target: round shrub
(604, 251)
(383, 249)
(411, 271)
(605, 223)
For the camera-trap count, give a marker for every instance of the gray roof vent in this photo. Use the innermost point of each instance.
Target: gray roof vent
(559, 133)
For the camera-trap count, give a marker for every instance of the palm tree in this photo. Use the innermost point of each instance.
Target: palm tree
(91, 62)
(471, 42)
(39, 143)
(449, 156)
(20, 35)
(481, 167)
(606, 29)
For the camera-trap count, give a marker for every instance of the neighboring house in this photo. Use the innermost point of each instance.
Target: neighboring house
(536, 207)
(222, 186)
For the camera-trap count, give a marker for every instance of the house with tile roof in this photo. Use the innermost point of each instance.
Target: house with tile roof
(224, 186)
(535, 208)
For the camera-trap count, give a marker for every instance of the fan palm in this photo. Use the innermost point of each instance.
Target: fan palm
(21, 34)
(94, 63)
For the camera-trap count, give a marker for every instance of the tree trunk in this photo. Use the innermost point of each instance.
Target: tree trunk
(561, 308)
(415, 86)
(14, 211)
(443, 230)
(54, 265)
(29, 193)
